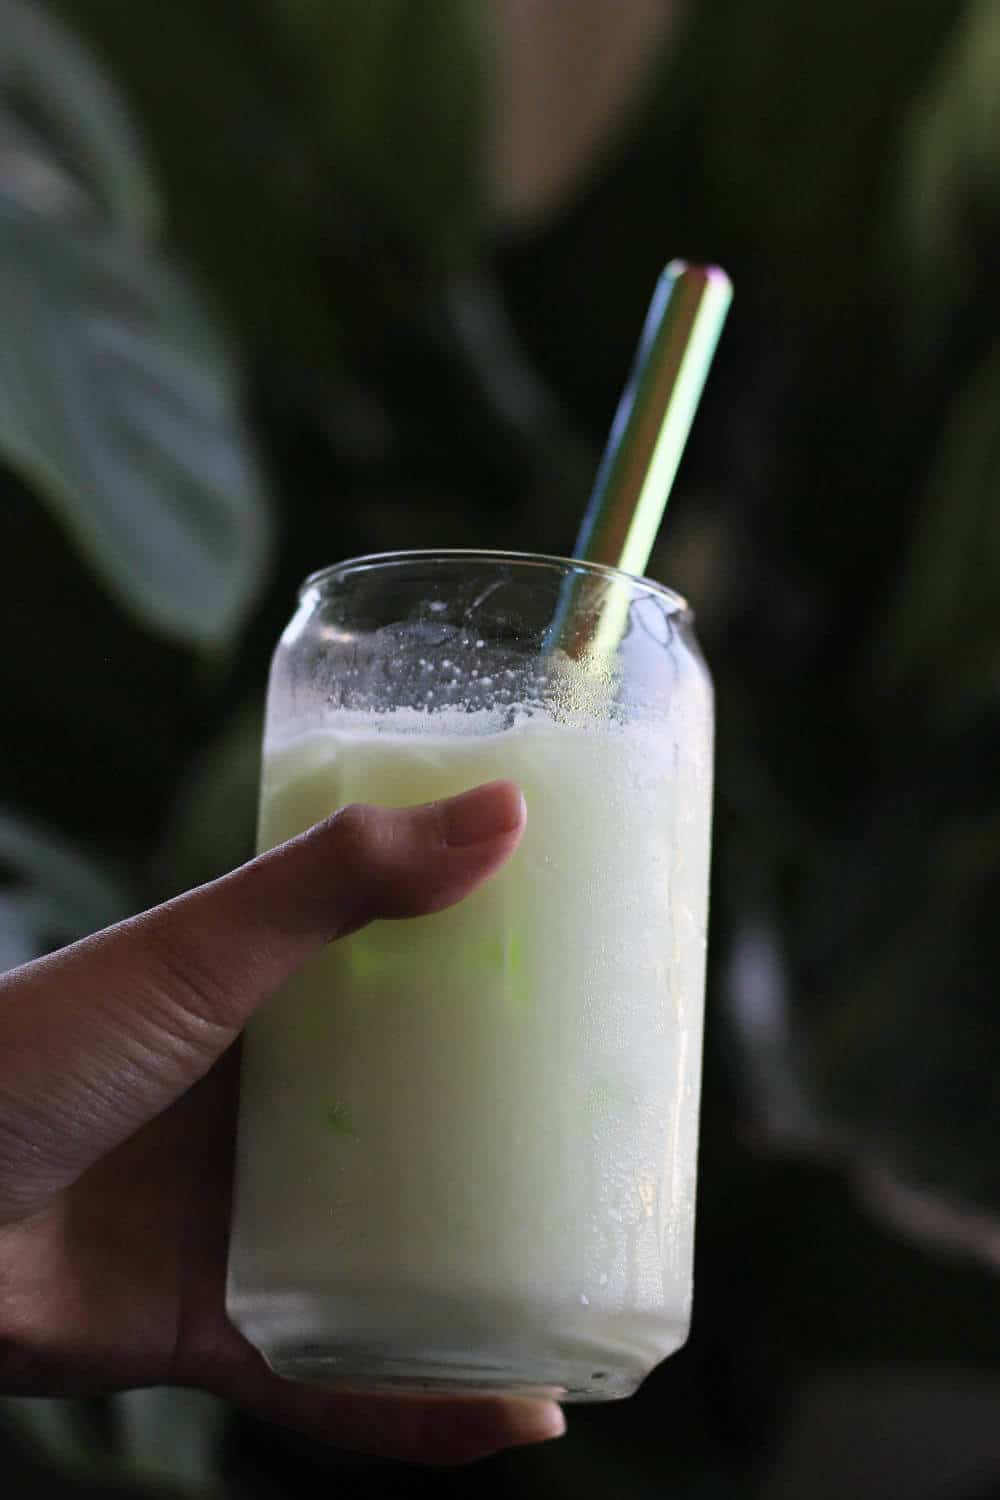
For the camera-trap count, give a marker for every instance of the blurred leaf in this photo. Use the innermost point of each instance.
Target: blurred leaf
(48, 1425)
(141, 1445)
(117, 402)
(250, 196)
(52, 894)
(946, 627)
(952, 159)
(171, 1437)
(214, 822)
(118, 405)
(62, 127)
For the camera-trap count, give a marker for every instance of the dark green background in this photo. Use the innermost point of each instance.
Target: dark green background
(302, 265)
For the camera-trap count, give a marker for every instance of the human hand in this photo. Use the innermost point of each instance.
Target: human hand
(118, 1080)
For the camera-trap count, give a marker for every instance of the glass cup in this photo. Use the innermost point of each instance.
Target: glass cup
(467, 1142)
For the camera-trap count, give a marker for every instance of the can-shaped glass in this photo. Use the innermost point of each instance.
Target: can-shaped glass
(467, 1142)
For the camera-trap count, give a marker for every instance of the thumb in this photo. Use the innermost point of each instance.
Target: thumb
(98, 1038)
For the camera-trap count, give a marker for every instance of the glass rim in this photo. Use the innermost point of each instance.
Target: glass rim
(371, 561)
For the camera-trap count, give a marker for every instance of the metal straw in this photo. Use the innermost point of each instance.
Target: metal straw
(648, 436)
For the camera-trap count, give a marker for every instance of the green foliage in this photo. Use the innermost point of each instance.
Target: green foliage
(213, 822)
(163, 1446)
(945, 632)
(62, 128)
(117, 406)
(952, 144)
(51, 893)
(119, 401)
(317, 164)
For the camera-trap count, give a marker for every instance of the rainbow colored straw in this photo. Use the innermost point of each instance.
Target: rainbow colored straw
(649, 433)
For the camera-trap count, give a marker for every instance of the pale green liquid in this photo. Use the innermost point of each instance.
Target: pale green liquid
(468, 1141)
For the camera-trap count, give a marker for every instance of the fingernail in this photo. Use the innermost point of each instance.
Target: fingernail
(484, 813)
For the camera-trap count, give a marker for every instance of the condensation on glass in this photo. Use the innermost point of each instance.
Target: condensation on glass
(467, 1142)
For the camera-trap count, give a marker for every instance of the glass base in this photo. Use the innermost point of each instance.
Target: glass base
(377, 1339)
(370, 1370)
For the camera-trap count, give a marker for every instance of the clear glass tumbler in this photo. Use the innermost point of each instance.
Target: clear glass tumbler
(467, 1142)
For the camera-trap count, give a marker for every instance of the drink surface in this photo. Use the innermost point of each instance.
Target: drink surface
(486, 1120)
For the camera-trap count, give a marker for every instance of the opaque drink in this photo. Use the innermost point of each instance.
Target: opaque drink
(467, 1142)
(484, 1122)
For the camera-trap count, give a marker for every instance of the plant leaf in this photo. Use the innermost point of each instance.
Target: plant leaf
(52, 893)
(951, 152)
(118, 404)
(60, 119)
(944, 632)
(213, 824)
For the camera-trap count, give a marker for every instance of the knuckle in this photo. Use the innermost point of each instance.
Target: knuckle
(358, 833)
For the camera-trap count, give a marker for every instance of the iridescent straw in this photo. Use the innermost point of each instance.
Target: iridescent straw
(648, 436)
